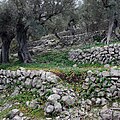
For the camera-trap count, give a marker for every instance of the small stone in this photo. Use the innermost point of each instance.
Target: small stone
(43, 75)
(18, 72)
(89, 73)
(104, 108)
(55, 90)
(113, 88)
(54, 97)
(89, 102)
(105, 74)
(17, 118)
(28, 82)
(87, 80)
(98, 101)
(101, 94)
(50, 77)
(27, 103)
(48, 118)
(115, 105)
(106, 117)
(81, 113)
(92, 79)
(88, 108)
(67, 118)
(14, 112)
(58, 107)
(33, 104)
(65, 113)
(114, 72)
(49, 109)
(68, 100)
(21, 114)
(116, 115)
(107, 66)
(1, 87)
(57, 118)
(39, 83)
(4, 118)
(85, 87)
(34, 82)
(103, 101)
(75, 65)
(32, 74)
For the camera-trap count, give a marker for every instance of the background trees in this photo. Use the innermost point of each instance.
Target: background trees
(7, 29)
(23, 14)
(100, 14)
(23, 18)
(113, 11)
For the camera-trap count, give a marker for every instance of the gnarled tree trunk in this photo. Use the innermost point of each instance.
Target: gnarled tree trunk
(110, 29)
(6, 40)
(23, 53)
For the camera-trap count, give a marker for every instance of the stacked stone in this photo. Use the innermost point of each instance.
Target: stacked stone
(59, 102)
(102, 55)
(112, 113)
(101, 88)
(51, 42)
(23, 78)
(42, 82)
(97, 89)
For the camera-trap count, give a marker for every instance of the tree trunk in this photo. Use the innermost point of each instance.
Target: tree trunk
(5, 48)
(23, 53)
(110, 31)
(117, 33)
(113, 26)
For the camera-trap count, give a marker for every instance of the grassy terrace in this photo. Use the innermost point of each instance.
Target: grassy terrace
(56, 62)
(53, 61)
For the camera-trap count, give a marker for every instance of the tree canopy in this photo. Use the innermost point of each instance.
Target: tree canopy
(23, 18)
(17, 16)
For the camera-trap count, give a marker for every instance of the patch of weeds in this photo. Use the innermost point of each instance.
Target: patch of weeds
(56, 61)
(37, 113)
(48, 93)
(23, 97)
(4, 113)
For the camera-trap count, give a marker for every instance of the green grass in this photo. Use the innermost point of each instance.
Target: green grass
(37, 113)
(53, 61)
(57, 62)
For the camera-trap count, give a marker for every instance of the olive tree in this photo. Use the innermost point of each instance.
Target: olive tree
(113, 10)
(7, 29)
(24, 14)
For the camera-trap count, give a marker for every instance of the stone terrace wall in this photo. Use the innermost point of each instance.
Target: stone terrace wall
(103, 55)
(97, 89)
(67, 40)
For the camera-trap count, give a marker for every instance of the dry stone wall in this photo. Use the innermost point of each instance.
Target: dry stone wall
(97, 89)
(103, 55)
(51, 42)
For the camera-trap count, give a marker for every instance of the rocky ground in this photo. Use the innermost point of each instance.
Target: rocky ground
(24, 92)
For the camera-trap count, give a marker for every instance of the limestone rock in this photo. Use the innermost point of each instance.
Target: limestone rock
(53, 97)
(49, 109)
(13, 113)
(17, 118)
(58, 107)
(68, 100)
